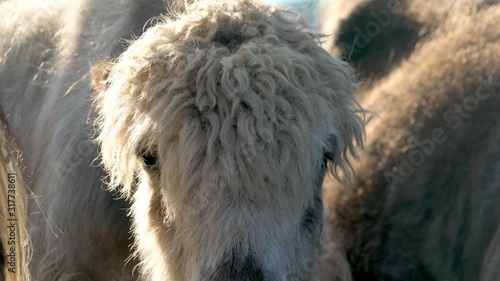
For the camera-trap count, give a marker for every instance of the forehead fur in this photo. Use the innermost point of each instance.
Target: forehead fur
(229, 95)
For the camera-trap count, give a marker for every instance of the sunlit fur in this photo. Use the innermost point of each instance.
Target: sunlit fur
(238, 103)
(78, 230)
(437, 219)
(13, 211)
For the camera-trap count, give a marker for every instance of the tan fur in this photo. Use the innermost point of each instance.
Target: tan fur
(436, 219)
(239, 105)
(13, 212)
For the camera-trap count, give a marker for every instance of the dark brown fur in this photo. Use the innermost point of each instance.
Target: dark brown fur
(437, 218)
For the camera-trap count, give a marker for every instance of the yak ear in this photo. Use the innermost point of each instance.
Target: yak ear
(99, 75)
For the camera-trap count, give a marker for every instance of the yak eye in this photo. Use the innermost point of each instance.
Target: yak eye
(328, 156)
(149, 160)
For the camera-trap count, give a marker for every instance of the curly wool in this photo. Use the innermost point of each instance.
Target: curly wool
(235, 87)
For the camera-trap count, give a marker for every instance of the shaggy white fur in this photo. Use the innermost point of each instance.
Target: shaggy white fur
(216, 123)
(78, 230)
(235, 104)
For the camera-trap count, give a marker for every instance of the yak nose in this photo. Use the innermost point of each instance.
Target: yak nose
(243, 270)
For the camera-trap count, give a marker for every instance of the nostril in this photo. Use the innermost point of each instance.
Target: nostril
(241, 270)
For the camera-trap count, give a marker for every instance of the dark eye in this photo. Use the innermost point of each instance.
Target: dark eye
(149, 160)
(328, 156)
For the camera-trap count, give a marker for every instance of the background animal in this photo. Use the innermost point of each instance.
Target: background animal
(423, 203)
(216, 124)
(375, 36)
